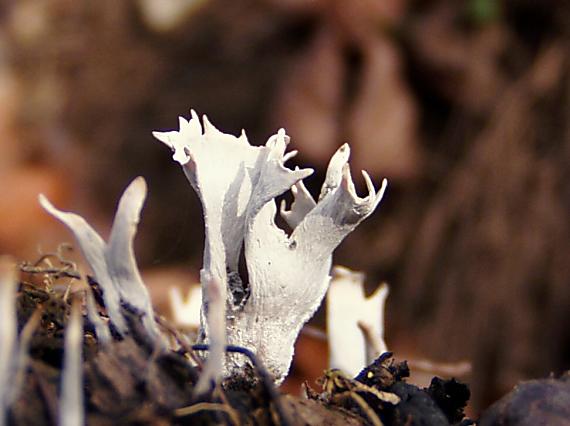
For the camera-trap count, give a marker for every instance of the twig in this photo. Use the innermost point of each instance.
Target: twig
(234, 415)
(59, 273)
(339, 387)
(204, 406)
(68, 269)
(372, 416)
(67, 291)
(179, 338)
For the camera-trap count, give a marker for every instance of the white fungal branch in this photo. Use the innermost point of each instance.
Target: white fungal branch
(114, 264)
(217, 334)
(71, 408)
(354, 321)
(8, 334)
(186, 310)
(288, 275)
(14, 349)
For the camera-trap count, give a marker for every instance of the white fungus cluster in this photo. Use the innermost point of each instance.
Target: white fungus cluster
(288, 273)
(237, 184)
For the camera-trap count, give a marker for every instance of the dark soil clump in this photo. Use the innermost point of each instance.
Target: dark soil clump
(537, 402)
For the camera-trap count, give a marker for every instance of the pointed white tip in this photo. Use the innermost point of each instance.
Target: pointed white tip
(139, 184)
(209, 128)
(342, 272)
(163, 137)
(43, 200)
(340, 157)
(380, 293)
(381, 192)
(290, 155)
(183, 124)
(283, 208)
(47, 205)
(344, 151)
(369, 185)
(304, 173)
(243, 137)
(133, 199)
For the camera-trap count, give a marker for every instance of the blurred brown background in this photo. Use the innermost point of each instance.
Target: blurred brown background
(463, 105)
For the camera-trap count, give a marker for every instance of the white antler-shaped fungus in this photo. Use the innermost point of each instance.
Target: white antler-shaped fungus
(224, 170)
(114, 264)
(288, 275)
(355, 323)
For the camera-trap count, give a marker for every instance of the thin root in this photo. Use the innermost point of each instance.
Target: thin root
(206, 406)
(372, 416)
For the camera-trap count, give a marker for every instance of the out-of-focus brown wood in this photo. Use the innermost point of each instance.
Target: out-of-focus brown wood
(21, 217)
